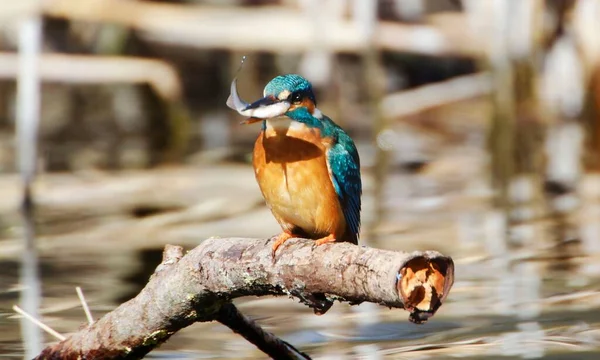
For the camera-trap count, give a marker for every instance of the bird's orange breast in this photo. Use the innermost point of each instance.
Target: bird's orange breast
(290, 164)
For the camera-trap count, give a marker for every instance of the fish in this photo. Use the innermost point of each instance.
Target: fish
(265, 108)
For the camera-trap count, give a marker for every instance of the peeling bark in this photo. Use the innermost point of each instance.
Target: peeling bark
(200, 286)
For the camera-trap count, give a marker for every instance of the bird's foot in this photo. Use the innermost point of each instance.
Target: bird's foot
(324, 240)
(279, 240)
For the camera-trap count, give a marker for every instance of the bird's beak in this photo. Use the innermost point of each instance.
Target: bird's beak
(265, 108)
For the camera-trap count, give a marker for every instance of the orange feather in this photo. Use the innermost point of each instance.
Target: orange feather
(290, 165)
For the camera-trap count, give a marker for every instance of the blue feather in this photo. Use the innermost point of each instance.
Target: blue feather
(345, 169)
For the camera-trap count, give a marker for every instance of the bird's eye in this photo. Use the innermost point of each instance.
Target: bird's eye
(297, 97)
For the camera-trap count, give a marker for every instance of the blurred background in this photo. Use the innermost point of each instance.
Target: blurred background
(476, 121)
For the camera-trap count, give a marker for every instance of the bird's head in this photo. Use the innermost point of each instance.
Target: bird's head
(283, 96)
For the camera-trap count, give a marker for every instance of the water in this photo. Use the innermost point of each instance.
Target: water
(533, 296)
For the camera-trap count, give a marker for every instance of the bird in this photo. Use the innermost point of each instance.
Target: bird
(307, 167)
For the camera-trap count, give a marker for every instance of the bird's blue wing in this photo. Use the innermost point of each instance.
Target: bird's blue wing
(344, 165)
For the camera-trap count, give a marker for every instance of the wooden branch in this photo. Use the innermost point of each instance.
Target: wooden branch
(27, 127)
(86, 69)
(271, 345)
(430, 96)
(252, 29)
(196, 287)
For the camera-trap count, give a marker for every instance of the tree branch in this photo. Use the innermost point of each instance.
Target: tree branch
(197, 286)
(271, 345)
(85, 69)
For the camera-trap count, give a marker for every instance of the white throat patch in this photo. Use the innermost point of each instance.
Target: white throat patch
(284, 123)
(317, 113)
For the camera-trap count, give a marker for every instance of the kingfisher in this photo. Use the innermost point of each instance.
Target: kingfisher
(307, 167)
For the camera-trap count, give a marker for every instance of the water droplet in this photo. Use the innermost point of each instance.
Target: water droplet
(241, 65)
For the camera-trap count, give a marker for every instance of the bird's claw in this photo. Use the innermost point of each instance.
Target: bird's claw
(279, 240)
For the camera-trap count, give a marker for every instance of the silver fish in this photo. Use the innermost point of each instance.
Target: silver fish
(265, 108)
